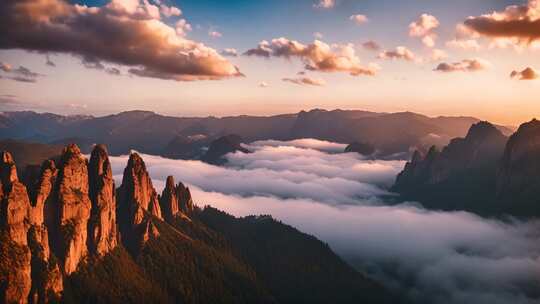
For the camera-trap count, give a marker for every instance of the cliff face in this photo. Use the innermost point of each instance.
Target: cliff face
(518, 178)
(482, 147)
(74, 207)
(138, 203)
(14, 252)
(103, 231)
(460, 177)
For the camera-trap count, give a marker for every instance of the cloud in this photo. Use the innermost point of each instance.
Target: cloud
(527, 74)
(169, 11)
(400, 52)
(230, 52)
(519, 24)
(20, 74)
(438, 55)
(371, 45)
(8, 100)
(325, 4)
(263, 84)
(465, 44)
(428, 256)
(306, 81)
(215, 34)
(359, 19)
(318, 35)
(466, 65)
(424, 28)
(317, 56)
(122, 32)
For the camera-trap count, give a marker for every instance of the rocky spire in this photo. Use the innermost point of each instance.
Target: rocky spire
(137, 202)
(102, 226)
(74, 207)
(168, 200)
(175, 200)
(15, 268)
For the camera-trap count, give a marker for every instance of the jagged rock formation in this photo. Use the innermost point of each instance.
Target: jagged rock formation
(102, 228)
(74, 208)
(175, 200)
(138, 203)
(221, 146)
(14, 252)
(360, 148)
(463, 172)
(518, 182)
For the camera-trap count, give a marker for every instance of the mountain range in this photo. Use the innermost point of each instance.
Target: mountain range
(485, 172)
(391, 134)
(68, 234)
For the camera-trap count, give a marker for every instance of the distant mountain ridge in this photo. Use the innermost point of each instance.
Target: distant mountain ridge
(152, 133)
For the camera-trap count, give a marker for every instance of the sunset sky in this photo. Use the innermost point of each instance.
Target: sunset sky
(199, 58)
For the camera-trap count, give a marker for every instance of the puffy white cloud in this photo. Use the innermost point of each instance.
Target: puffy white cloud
(424, 28)
(170, 11)
(318, 35)
(263, 84)
(317, 56)
(229, 52)
(319, 82)
(124, 32)
(466, 65)
(400, 52)
(359, 19)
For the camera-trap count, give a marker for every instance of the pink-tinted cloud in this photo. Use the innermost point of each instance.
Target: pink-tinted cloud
(400, 52)
(20, 74)
(466, 65)
(424, 28)
(527, 74)
(371, 45)
(317, 56)
(325, 4)
(122, 32)
(359, 19)
(306, 81)
(519, 23)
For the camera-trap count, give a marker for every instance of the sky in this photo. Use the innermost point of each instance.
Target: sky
(200, 58)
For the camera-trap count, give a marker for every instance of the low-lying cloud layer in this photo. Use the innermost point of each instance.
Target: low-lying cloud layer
(431, 257)
(129, 33)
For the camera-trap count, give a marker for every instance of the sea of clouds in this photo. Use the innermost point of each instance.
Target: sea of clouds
(430, 256)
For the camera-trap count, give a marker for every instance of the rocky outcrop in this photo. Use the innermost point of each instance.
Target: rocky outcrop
(175, 200)
(482, 147)
(138, 202)
(221, 146)
(74, 208)
(15, 271)
(102, 225)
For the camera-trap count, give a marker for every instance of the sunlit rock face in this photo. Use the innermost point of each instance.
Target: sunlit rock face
(14, 212)
(138, 203)
(175, 200)
(102, 227)
(74, 207)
